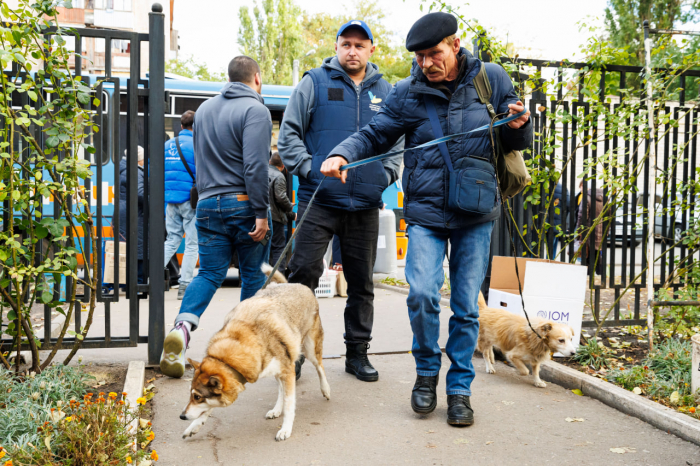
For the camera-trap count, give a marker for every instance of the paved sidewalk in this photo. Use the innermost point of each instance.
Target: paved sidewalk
(372, 423)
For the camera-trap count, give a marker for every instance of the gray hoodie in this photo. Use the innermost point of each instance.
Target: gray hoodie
(232, 133)
(297, 118)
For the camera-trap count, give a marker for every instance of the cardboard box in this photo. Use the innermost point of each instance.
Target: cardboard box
(109, 266)
(551, 290)
(109, 247)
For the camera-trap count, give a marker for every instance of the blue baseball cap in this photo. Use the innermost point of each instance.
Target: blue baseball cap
(355, 24)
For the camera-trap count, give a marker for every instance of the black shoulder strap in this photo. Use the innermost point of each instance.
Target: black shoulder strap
(437, 130)
(184, 162)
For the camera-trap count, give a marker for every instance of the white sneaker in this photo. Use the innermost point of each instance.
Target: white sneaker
(172, 361)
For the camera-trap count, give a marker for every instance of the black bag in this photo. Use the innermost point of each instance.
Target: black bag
(194, 195)
(472, 181)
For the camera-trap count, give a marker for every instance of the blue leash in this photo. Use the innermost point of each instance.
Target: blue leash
(348, 166)
(434, 142)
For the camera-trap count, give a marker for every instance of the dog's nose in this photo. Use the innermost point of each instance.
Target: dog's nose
(183, 417)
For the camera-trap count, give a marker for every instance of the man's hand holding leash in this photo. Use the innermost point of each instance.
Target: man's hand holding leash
(331, 167)
(515, 109)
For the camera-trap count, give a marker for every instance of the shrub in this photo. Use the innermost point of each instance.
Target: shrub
(65, 426)
(593, 354)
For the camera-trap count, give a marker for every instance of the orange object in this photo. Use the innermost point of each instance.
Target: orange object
(401, 247)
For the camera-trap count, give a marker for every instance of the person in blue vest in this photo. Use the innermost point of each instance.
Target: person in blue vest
(441, 91)
(179, 214)
(329, 104)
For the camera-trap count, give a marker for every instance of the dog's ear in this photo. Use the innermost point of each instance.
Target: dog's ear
(194, 363)
(545, 328)
(215, 384)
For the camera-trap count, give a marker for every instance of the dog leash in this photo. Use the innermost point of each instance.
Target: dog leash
(504, 203)
(359, 163)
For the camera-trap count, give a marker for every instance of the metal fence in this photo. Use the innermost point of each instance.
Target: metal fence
(623, 261)
(143, 97)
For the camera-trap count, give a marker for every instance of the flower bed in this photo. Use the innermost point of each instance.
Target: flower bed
(49, 419)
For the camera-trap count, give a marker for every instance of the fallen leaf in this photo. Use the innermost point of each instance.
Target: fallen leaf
(674, 398)
(151, 380)
(143, 423)
(489, 442)
(508, 402)
(431, 431)
(47, 442)
(431, 445)
(460, 441)
(623, 450)
(574, 419)
(637, 391)
(576, 391)
(149, 388)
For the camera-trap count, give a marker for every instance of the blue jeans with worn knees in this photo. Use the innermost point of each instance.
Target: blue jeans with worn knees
(469, 258)
(223, 223)
(179, 221)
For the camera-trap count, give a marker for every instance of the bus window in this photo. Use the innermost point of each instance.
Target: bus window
(182, 104)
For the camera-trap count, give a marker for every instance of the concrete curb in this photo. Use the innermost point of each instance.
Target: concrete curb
(616, 397)
(648, 411)
(133, 386)
(398, 289)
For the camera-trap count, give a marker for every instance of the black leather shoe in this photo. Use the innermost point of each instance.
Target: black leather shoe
(424, 398)
(459, 411)
(297, 365)
(357, 363)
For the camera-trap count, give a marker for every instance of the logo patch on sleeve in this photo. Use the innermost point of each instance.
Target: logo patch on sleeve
(335, 94)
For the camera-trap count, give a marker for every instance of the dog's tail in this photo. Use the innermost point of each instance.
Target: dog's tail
(278, 277)
(482, 302)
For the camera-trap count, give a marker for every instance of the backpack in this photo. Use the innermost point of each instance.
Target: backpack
(510, 168)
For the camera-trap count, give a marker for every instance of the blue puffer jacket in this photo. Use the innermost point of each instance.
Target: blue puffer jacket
(425, 174)
(177, 181)
(340, 110)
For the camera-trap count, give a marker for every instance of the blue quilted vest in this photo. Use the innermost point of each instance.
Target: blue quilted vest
(339, 112)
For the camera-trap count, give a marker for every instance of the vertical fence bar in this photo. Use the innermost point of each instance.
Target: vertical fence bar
(156, 125)
(651, 162)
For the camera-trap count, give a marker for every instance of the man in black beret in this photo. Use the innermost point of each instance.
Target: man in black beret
(442, 85)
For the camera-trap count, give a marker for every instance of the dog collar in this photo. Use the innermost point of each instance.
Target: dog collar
(236, 374)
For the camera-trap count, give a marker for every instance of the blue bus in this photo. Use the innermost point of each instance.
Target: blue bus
(183, 94)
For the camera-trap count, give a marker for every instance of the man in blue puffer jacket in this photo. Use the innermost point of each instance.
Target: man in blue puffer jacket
(179, 214)
(444, 73)
(329, 104)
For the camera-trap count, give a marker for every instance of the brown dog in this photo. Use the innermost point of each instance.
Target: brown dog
(514, 337)
(262, 336)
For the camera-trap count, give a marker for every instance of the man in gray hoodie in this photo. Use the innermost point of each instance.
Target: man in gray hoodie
(330, 104)
(232, 133)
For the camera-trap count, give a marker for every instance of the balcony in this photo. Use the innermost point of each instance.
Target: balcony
(71, 15)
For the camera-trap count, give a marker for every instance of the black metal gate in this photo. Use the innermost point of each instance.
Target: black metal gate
(620, 249)
(145, 100)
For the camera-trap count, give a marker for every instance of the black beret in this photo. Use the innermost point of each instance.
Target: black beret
(429, 31)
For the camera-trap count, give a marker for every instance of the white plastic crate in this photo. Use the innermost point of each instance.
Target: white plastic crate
(327, 284)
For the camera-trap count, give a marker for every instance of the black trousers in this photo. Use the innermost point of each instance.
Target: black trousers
(279, 241)
(357, 232)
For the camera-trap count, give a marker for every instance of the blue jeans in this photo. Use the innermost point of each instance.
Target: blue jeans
(223, 223)
(179, 220)
(469, 258)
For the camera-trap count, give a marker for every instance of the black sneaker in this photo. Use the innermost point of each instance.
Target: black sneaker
(459, 411)
(424, 396)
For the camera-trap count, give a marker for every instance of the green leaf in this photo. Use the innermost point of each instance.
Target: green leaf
(41, 232)
(46, 297)
(577, 392)
(52, 141)
(32, 95)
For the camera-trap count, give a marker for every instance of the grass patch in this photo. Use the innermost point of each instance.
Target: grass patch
(593, 354)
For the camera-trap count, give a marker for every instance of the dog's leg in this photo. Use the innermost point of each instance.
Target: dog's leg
(277, 410)
(288, 378)
(536, 373)
(519, 364)
(313, 346)
(488, 359)
(196, 424)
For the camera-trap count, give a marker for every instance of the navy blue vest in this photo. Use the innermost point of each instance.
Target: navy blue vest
(339, 112)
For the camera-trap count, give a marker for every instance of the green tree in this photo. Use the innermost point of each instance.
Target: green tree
(624, 20)
(273, 37)
(192, 69)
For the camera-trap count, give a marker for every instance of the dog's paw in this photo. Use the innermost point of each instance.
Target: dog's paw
(191, 430)
(273, 414)
(490, 370)
(326, 390)
(540, 384)
(283, 434)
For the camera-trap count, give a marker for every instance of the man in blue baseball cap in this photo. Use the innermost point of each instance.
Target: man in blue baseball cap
(329, 104)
